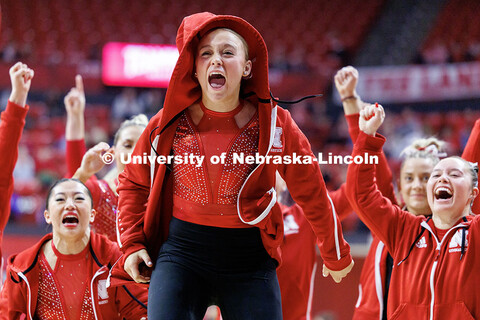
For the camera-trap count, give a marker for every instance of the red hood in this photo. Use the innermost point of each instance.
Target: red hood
(183, 89)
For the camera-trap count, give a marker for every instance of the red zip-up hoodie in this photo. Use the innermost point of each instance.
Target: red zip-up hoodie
(370, 303)
(21, 286)
(146, 191)
(430, 279)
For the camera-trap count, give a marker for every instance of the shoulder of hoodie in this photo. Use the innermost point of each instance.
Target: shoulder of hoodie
(23, 260)
(106, 251)
(283, 116)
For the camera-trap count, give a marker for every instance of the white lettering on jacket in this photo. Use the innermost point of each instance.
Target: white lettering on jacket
(102, 290)
(456, 241)
(290, 225)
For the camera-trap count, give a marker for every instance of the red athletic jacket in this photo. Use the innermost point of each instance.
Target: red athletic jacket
(145, 192)
(11, 126)
(372, 279)
(21, 285)
(430, 279)
(297, 272)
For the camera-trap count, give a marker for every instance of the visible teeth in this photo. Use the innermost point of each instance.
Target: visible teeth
(443, 189)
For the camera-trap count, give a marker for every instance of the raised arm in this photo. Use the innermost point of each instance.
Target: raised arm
(75, 127)
(382, 217)
(346, 80)
(11, 126)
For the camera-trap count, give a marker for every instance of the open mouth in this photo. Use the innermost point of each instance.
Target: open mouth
(216, 80)
(70, 220)
(443, 193)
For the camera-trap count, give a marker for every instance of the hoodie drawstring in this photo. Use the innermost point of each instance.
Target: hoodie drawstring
(464, 239)
(249, 94)
(295, 101)
(414, 242)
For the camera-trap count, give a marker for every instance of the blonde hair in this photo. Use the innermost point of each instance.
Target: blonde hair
(472, 168)
(427, 148)
(140, 120)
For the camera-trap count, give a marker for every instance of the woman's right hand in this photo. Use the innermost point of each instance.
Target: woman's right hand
(21, 78)
(132, 265)
(346, 82)
(75, 99)
(371, 118)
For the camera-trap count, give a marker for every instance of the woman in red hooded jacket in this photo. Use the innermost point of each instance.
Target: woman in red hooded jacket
(419, 159)
(434, 258)
(64, 276)
(215, 229)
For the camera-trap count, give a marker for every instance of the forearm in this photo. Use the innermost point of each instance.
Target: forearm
(379, 214)
(75, 127)
(352, 104)
(307, 187)
(131, 213)
(74, 152)
(82, 175)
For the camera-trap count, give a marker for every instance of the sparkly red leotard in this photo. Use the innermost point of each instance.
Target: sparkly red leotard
(60, 287)
(207, 194)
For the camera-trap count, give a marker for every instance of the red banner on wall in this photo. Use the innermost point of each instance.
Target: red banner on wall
(138, 65)
(400, 84)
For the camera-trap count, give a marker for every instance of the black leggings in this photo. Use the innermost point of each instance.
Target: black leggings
(199, 266)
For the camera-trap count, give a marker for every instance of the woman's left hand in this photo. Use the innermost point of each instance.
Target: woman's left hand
(371, 118)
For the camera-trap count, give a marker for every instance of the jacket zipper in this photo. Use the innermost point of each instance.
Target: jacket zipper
(435, 263)
(272, 190)
(21, 275)
(378, 277)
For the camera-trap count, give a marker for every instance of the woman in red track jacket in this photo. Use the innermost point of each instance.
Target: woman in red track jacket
(373, 286)
(145, 203)
(39, 287)
(435, 263)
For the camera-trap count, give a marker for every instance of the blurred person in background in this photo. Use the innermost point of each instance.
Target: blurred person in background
(84, 165)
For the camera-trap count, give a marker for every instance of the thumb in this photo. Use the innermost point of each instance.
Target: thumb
(146, 258)
(325, 271)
